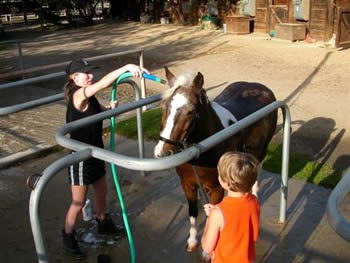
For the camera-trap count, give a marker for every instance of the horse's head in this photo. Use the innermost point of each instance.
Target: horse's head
(179, 106)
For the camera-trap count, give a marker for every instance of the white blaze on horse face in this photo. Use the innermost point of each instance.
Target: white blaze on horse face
(177, 102)
(224, 115)
(192, 240)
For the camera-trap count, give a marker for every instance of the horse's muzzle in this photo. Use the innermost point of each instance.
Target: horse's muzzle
(164, 153)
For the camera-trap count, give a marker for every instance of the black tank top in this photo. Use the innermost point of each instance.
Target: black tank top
(92, 133)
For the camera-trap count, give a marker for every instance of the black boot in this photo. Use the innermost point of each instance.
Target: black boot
(103, 258)
(71, 247)
(107, 226)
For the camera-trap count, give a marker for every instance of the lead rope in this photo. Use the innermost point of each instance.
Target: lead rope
(205, 255)
(201, 189)
(203, 193)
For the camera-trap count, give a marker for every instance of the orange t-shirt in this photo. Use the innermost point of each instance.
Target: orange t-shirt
(236, 243)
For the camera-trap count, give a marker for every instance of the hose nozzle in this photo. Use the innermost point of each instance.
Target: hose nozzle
(154, 78)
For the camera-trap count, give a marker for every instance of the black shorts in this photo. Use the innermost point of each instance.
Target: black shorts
(86, 172)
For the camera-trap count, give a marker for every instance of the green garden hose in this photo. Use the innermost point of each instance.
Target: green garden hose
(114, 171)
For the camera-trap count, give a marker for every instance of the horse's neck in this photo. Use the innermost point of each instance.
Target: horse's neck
(209, 121)
(207, 124)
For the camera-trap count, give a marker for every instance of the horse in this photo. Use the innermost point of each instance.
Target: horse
(188, 117)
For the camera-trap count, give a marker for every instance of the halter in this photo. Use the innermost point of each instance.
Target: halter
(178, 145)
(182, 145)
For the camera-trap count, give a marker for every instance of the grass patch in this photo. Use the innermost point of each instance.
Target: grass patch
(151, 121)
(300, 166)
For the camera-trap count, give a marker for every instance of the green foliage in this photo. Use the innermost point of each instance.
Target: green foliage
(300, 166)
(240, 5)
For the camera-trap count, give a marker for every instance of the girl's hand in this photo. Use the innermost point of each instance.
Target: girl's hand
(136, 70)
(207, 208)
(114, 104)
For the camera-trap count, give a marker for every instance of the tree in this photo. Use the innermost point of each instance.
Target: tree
(48, 10)
(126, 9)
(176, 14)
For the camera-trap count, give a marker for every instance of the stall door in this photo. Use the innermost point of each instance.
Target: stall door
(343, 28)
(278, 13)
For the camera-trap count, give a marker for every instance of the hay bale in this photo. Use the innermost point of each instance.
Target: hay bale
(207, 25)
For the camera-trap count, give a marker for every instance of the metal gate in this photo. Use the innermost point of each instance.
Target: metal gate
(343, 28)
(84, 151)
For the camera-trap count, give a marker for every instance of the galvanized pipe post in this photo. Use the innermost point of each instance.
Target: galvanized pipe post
(337, 221)
(21, 63)
(35, 198)
(285, 163)
(143, 81)
(139, 121)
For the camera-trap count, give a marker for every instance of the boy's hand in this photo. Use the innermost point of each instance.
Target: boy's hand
(207, 208)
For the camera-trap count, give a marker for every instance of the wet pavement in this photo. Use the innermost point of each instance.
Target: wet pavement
(158, 217)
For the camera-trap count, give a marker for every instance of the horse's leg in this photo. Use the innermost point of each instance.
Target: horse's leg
(256, 143)
(255, 188)
(191, 191)
(216, 195)
(209, 178)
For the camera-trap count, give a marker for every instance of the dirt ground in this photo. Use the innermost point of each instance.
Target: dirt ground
(312, 78)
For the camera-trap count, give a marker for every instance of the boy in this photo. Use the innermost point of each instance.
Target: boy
(232, 226)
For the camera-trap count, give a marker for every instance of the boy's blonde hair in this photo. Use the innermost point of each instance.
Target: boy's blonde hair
(239, 170)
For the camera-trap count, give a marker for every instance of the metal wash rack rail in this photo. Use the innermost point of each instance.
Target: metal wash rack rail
(50, 99)
(340, 225)
(35, 103)
(84, 151)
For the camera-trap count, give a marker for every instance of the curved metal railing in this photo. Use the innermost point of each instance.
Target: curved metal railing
(340, 225)
(149, 164)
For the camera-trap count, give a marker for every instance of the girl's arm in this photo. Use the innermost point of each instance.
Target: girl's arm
(108, 79)
(82, 94)
(211, 231)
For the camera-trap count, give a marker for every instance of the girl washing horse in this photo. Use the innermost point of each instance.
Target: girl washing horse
(189, 117)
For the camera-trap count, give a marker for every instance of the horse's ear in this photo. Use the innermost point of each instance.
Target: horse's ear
(198, 81)
(169, 76)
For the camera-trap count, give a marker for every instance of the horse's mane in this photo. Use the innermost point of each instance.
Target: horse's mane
(184, 80)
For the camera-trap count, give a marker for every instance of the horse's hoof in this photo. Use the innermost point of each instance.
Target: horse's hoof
(205, 258)
(191, 248)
